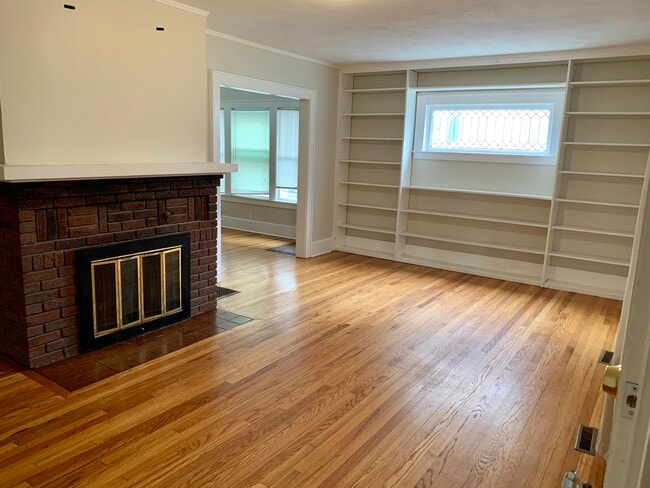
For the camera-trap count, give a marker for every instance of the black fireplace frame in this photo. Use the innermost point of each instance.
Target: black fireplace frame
(85, 256)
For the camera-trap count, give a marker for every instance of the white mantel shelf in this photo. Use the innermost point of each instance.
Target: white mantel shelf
(58, 172)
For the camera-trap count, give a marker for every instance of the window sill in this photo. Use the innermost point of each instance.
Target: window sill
(262, 202)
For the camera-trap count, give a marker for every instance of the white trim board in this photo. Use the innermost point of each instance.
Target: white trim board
(64, 172)
(184, 6)
(267, 48)
(519, 58)
(258, 227)
(322, 247)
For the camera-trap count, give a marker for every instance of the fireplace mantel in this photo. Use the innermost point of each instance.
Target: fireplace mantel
(68, 172)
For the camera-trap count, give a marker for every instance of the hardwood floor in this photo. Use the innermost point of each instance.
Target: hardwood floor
(356, 372)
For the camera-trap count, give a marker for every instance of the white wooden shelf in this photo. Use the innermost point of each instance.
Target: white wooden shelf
(377, 185)
(602, 174)
(506, 86)
(480, 192)
(482, 218)
(376, 90)
(610, 83)
(594, 202)
(490, 245)
(367, 228)
(490, 273)
(606, 114)
(590, 258)
(360, 138)
(375, 114)
(591, 230)
(590, 290)
(372, 207)
(605, 144)
(361, 161)
(366, 252)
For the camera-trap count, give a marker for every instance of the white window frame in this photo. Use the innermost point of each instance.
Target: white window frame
(272, 107)
(533, 98)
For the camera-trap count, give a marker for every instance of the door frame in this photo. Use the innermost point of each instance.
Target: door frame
(628, 462)
(307, 151)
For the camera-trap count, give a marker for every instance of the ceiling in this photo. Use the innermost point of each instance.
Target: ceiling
(351, 31)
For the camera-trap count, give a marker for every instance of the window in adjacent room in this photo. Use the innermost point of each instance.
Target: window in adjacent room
(260, 133)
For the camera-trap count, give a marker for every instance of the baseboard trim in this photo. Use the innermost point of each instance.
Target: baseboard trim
(265, 228)
(322, 247)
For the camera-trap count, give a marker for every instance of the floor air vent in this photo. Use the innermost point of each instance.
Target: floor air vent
(605, 357)
(586, 438)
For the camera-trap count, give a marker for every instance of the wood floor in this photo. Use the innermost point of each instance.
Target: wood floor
(356, 372)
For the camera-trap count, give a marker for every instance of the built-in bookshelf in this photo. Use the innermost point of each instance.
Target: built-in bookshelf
(371, 133)
(602, 176)
(571, 225)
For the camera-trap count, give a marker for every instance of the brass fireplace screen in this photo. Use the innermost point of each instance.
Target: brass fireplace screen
(133, 287)
(130, 290)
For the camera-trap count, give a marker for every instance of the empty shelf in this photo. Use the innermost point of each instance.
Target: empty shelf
(590, 258)
(481, 192)
(491, 245)
(483, 218)
(591, 230)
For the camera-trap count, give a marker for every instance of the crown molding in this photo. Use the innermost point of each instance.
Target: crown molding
(516, 58)
(268, 48)
(183, 6)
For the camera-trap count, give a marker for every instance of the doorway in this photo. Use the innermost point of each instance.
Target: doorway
(306, 102)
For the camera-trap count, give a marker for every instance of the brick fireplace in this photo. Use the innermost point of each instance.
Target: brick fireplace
(43, 224)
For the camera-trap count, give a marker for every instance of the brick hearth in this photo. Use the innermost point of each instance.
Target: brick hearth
(43, 224)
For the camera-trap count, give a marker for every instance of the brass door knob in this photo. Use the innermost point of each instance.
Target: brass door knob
(610, 379)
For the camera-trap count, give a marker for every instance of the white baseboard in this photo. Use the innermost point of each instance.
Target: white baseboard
(275, 230)
(322, 247)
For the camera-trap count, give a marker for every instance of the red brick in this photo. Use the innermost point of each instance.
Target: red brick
(68, 291)
(57, 283)
(45, 359)
(78, 211)
(69, 201)
(133, 224)
(37, 248)
(28, 238)
(34, 331)
(34, 309)
(40, 296)
(75, 243)
(42, 318)
(47, 274)
(26, 216)
(86, 230)
(58, 303)
(81, 220)
(133, 205)
(100, 239)
(43, 339)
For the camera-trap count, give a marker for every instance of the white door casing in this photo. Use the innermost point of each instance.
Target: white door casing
(307, 151)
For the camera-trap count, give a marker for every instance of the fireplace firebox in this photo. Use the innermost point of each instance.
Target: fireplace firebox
(133, 287)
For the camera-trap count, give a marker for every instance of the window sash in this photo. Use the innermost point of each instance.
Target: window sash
(279, 188)
(543, 98)
(476, 132)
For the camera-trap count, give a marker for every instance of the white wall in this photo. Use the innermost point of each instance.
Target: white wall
(99, 85)
(244, 60)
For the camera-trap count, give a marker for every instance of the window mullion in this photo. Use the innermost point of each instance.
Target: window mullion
(227, 147)
(273, 153)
